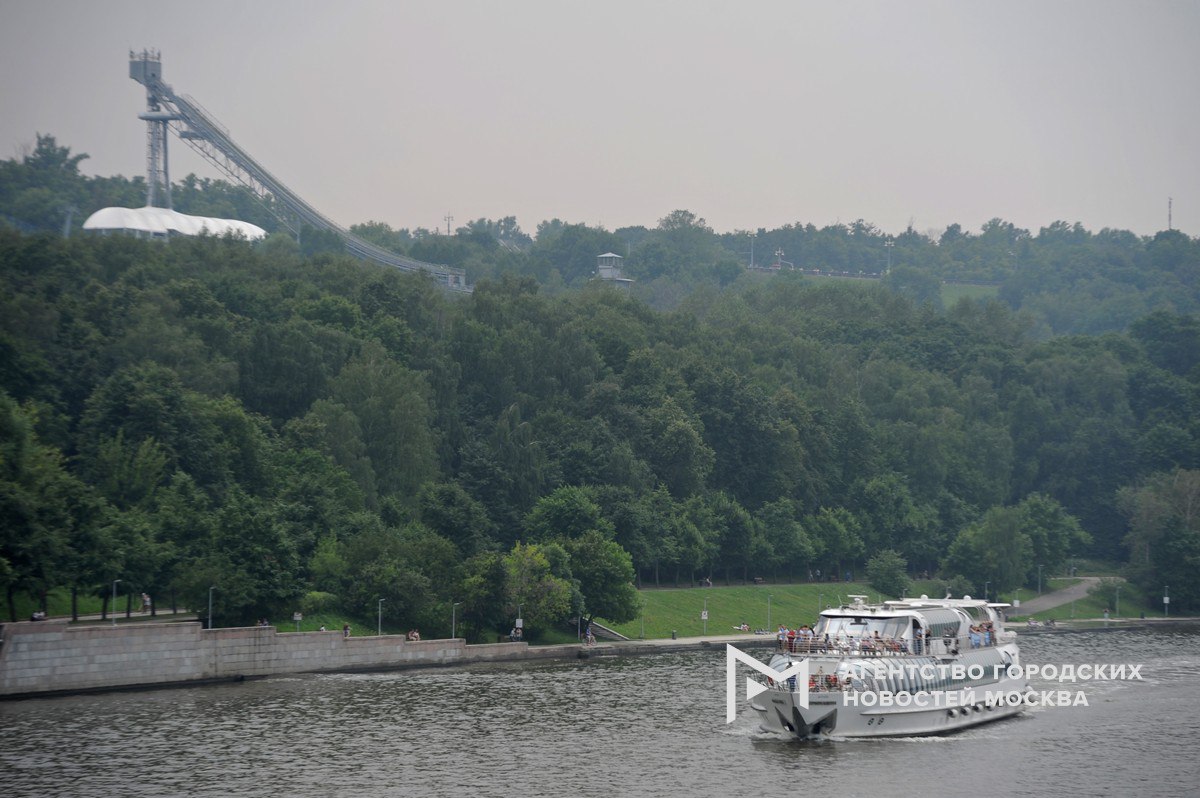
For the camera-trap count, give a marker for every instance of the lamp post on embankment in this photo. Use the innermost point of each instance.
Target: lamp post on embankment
(454, 619)
(210, 592)
(379, 620)
(113, 608)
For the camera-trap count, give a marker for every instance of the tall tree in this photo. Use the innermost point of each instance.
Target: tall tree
(605, 574)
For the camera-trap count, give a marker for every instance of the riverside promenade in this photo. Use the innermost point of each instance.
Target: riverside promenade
(52, 657)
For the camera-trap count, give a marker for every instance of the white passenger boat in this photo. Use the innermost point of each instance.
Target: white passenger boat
(898, 669)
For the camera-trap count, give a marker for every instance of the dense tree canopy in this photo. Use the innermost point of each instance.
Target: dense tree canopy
(291, 426)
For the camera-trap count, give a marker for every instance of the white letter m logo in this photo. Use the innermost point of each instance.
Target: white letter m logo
(753, 688)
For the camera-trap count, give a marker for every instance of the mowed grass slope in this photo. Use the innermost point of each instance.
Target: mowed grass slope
(666, 610)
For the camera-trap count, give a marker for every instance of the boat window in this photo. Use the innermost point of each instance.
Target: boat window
(856, 626)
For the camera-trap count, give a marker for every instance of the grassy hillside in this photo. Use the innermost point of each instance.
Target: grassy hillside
(678, 610)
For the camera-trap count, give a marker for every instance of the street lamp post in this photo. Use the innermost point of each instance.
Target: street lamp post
(454, 619)
(114, 602)
(986, 586)
(519, 625)
(768, 612)
(704, 616)
(210, 590)
(379, 620)
(1118, 605)
(1039, 580)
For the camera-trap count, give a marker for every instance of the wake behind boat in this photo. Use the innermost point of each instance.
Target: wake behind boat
(902, 668)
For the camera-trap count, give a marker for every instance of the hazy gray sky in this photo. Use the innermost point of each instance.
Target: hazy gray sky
(749, 114)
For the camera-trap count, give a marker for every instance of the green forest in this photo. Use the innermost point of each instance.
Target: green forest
(302, 430)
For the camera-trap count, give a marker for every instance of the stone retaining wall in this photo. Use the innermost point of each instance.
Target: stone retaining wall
(54, 657)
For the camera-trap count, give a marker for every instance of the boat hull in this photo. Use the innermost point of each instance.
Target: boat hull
(840, 714)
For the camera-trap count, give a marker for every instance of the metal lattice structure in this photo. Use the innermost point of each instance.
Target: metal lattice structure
(199, 130)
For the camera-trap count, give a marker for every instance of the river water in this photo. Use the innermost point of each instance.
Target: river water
(651, 725)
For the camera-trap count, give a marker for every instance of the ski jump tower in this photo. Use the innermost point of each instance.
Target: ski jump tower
(196, 127)
(147, 70)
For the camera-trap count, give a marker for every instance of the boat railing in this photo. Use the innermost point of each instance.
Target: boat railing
(817, 683)
(886, 646)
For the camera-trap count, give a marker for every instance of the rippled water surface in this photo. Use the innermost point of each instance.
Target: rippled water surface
(636, 726)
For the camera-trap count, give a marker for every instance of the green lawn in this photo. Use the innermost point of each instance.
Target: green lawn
(666, 610)
(678, 610)
(1133, 604)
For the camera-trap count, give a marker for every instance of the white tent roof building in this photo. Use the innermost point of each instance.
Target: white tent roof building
(151, 221)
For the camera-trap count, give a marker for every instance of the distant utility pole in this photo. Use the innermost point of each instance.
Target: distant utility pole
(447, 219)
(1169, 202)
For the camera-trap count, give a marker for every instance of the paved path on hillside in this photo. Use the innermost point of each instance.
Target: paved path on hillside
(1049, 601)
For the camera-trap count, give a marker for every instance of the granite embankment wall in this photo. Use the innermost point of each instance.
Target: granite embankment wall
(49, 657)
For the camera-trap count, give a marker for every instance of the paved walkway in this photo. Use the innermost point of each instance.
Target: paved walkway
(1049, 601)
